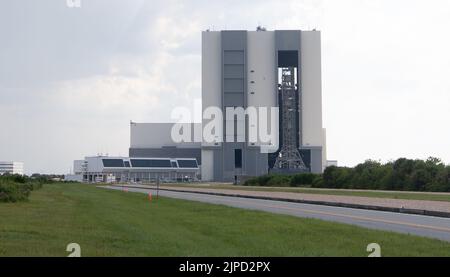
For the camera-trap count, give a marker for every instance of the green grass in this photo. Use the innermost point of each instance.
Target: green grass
(115, 223)
(361, 193)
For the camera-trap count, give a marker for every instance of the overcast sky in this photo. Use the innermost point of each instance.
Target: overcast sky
(71, 79)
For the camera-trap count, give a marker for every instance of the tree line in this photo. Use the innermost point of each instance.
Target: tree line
(402, 175)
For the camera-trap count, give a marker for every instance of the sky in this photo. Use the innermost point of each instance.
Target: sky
(71, 79)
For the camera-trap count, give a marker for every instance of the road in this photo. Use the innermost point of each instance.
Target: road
(426, 226)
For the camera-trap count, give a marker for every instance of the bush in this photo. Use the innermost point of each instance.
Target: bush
(318, 182)
(14, 188)
(303, 179)
(337, 177)
(258, 181)
(14, 178)
(279, 181)
(14, 192)
(270, 180)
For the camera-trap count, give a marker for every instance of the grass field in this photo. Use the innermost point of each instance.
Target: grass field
(115, 223)
(362, 193)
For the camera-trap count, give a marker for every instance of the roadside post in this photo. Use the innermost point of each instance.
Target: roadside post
(157, 187)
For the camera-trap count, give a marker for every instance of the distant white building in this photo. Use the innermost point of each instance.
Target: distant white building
(73, 178)
(332, 163)
(11, 168)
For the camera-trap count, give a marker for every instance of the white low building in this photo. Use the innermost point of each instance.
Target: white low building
(104, 169)
(11, 168)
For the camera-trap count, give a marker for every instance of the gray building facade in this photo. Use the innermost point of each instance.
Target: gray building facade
(236, 69)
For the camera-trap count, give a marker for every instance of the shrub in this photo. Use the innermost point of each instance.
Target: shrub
(13, 192)
(303, 179)
(318, 182)
(337, 177)
(270, 180)
(257, 181)
(14, 188)
(279, 181)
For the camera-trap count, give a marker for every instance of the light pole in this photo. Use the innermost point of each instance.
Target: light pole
(157, 187)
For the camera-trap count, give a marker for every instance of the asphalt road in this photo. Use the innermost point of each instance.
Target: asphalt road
(427, 226)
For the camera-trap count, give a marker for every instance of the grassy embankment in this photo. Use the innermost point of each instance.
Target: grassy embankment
(115, 223)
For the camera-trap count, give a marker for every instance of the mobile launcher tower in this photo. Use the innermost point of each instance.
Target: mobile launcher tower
(261, 68)
(289, 159)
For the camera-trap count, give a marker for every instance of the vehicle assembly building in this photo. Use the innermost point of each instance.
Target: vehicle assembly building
(278, 70)
(265, 69)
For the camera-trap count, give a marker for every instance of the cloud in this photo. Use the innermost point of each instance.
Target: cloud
(71, 79)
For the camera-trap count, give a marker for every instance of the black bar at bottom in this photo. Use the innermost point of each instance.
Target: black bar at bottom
(225, 266)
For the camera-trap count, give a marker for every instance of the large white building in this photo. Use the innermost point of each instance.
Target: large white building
(11, 168)
(264, 69)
